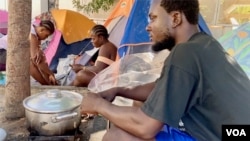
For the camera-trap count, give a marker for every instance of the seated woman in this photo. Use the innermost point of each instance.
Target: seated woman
(39, 68)
(106, 56)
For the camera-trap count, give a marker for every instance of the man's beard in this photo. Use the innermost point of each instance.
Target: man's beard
(167, 43)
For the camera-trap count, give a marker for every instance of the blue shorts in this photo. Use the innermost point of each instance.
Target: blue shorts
(171, 134)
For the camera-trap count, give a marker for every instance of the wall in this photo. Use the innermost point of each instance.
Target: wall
(39, 6)
(219, 30)
(66, 4)
(3, 5)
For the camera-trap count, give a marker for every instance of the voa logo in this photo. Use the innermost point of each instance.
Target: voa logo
(236, 132)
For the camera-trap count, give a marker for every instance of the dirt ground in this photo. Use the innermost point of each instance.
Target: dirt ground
(17, 130)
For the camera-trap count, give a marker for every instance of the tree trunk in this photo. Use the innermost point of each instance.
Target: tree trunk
(18, 58)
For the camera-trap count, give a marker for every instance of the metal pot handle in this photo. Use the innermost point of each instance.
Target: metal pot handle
(63, 117)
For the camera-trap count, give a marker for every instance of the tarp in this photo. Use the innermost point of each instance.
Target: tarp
(237, 44)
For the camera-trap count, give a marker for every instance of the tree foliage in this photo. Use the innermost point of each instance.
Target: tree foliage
(93, 6)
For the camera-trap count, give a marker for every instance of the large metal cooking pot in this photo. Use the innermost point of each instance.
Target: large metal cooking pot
(53, 112)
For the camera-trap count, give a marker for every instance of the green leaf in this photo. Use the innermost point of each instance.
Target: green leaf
(94, 6)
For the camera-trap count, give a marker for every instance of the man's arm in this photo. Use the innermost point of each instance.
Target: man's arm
(139, 93)
(129, 119)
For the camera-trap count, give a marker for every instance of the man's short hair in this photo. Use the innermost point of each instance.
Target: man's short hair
(190, 8)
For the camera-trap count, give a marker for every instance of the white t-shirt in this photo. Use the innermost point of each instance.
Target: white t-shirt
(3, 39)
(34, 24)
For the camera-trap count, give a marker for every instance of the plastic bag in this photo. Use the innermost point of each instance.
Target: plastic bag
(130, 71)
(64, 70)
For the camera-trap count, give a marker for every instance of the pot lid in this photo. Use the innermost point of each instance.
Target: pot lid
(53, 101)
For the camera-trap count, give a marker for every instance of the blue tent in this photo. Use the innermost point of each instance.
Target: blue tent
(135, 38)
(203, 26)
(135, 33)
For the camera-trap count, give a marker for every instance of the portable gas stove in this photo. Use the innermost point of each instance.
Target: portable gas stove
(69, 136)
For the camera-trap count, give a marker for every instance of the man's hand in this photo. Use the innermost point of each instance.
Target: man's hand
(76, 67)
(90, 103)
